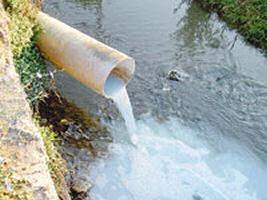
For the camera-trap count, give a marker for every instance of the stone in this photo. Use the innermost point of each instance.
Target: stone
(81, 185)
(175, 75)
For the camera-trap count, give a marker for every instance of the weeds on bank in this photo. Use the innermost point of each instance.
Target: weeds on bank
(56, 163)
(248, 16)
(24, 30)
(23, 23)
(33, 73)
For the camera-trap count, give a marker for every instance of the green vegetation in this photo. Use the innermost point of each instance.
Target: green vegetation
(23, 24)
(24, 30)
(33, 73)
(56, 163)
(249, 17)
(10, 187)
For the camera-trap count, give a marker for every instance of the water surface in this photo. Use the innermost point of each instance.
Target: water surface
(220, 97)
(171, 162)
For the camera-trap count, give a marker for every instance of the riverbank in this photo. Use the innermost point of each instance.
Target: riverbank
(248, 17)
(29, 153)
(24, 172)
(60, 127)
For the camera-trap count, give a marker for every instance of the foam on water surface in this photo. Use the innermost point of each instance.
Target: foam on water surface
(171, 162)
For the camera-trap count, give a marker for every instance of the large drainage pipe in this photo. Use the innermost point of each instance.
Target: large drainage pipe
(84, 58)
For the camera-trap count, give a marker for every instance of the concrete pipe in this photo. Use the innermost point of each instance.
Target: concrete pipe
(82, 57)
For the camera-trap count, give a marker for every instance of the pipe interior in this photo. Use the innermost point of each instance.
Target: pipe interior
(119, 77)
(112, 85)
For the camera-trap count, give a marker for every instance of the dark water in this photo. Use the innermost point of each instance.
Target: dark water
(221, 87)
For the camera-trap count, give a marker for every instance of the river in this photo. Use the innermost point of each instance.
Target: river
(220, 91)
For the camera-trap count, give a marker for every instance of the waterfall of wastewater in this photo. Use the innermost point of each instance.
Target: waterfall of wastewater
(115, 89)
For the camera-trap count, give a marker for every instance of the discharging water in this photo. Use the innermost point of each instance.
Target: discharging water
(115, 89)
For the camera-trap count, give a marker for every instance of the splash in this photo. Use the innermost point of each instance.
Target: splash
(172, 162)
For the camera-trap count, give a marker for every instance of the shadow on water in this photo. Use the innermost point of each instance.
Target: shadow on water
(94, 6)
(193, 28)
(91, 3)
(75, 126)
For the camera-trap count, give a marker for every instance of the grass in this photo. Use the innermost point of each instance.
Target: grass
(23, 23)
(23, 32)
(249, 17)
(33, 73)
(56, 164)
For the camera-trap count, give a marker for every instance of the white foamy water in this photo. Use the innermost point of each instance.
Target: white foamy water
(170, 162)
(115, 89)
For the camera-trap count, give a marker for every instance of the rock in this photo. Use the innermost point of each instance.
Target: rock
(175, 75)
(81, 185)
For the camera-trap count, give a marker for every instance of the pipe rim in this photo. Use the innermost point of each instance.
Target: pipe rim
(123, 70)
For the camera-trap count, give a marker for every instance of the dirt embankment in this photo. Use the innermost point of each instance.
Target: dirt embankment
(22, 152)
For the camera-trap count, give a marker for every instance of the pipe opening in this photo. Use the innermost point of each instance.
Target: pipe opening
(119, 77)
(112, 85)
